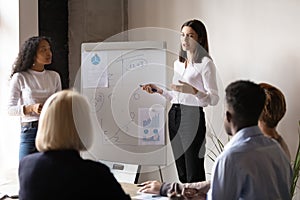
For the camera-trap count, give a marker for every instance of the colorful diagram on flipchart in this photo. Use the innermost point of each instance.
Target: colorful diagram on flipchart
(125, 113)
(151, 126)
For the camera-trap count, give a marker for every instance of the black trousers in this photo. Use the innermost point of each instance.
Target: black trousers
(187, 134)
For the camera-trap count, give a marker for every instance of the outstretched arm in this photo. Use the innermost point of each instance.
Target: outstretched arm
(152, 187)
(151, 88)
(195, 190)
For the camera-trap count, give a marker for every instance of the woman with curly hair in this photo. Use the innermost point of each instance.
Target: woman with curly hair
(30, 85)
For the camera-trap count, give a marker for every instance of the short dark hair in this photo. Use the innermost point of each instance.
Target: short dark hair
(247, 100)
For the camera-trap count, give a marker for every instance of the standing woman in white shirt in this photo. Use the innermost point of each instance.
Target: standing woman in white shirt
(194, 86)
(30, 85)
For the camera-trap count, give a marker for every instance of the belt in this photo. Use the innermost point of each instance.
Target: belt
(33, 124)
(175, 105)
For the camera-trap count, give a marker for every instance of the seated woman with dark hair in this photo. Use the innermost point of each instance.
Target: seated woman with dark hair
(273, 112)
(58, 171)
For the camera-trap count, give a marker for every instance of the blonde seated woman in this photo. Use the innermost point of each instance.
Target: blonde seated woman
(57, 171)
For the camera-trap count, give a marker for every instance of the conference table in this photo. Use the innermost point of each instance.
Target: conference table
(9, 187)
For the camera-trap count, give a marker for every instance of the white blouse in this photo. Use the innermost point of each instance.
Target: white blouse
(201, 76)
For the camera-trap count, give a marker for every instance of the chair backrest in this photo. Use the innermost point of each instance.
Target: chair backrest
(124, 173)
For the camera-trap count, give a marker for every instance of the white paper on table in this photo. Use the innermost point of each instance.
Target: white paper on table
(142, 196)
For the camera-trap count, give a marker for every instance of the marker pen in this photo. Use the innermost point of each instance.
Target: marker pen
(152, 89)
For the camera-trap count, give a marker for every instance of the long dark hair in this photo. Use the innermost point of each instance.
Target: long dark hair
(202, 48)
(27, 54)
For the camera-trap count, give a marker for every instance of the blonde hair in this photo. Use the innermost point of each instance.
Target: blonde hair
(65, 123)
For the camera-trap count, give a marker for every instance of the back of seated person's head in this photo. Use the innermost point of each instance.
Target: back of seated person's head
(65, 123)
(246, 99)
(275, 106)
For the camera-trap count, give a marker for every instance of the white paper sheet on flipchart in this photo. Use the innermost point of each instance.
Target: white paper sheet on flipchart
(94, 69)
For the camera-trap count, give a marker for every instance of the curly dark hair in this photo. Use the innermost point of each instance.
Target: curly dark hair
(202, 49)
(247, 99)
(27, 54)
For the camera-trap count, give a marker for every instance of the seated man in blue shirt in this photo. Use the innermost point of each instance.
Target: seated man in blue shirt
(251, 166)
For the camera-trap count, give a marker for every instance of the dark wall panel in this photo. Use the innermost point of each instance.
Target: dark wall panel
(53, 22)
(71, 22)
(93, 21)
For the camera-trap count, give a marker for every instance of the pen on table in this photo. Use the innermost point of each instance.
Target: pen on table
(155, 195)
(152, 89)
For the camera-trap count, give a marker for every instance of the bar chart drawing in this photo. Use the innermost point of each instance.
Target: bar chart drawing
(151, 127)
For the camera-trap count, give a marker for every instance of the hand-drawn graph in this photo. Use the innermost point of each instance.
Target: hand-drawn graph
(96, 101)
(151, 126)
(120, 125)
(119, 131)
(117, 106)
(124, 132)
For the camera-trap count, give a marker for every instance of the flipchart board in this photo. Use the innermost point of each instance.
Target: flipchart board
(129, 124)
